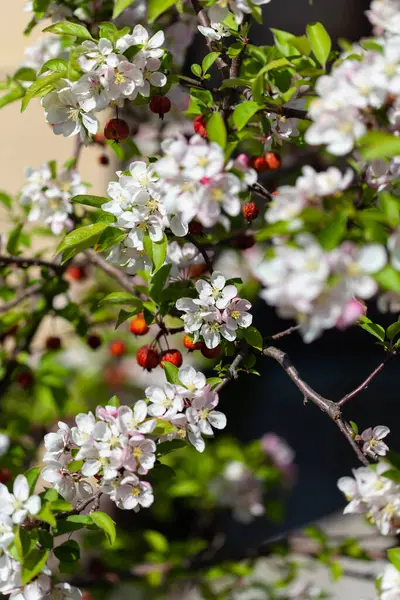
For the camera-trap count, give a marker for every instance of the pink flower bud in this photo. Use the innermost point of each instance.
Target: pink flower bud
(352, 311)
(205, 180)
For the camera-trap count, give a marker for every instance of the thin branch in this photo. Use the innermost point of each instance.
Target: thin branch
(233, 369)
(347, 432)
(283, 111)
(365, 383)
(86, 503)
(261, 191)
(281, 334)
(114, 272)
(24, 263)
(202, 251)
(30, 291)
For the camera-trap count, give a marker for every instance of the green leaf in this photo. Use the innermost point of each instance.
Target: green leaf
(120, 6)
(394, 557)
(354, 427)
(14, 239)
(87, 200)
(68, 552)
(33, 564)
(110, 237)
(58, 65)
(390, 207)
(156, 251)
(320, 42)
(124, 315)
(68, 28)
(216, 129)
(39, 88)
(81, 238)
(234, 82)
(389, 279)
(244, 112)
(25, 74)
(40, 7)
(285, 42)
(158, 7)
(47, 516)
(184, 488)
(336, 570)
(196, 70)
(114, 401)
(213, 381)
(167, 447)
(372, 328)
(15, 92)
(393, 330)
(105, 523)
(158, 282)
(23, 543)
(209, 60)
(63, 505)
(32, 476)
(379, 144)
(253, 337)
(171, 373)
(157, 541)
(121, 298)
(108, 31)
(73, 467)
(392, 474)
(73, 523)
(332, 234)
(6, 200)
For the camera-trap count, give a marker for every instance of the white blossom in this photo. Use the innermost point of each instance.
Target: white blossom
(372, 439)
(390, 583)
(133, 494)
(66, 115)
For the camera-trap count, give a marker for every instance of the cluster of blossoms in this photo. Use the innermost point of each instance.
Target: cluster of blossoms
(216, 312)
(17, 508)
(309, 191)
(220, 10)
(357, 88)
(239, 489)
(109, 79)
(118, 445)
(321, 288)
(48, 196)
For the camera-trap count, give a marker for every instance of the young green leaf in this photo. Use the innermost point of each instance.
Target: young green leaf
(394, 557)
(171, 373)
(82, 238)
(379, 144)
(121, 298)
(68, 552)
(87, 200)
(57, 65)
(216, 129)
(372, 328)
(320, 42)
(104, 522)
(244, 112)
(253, 337)
(32, 476)
(120, 6)
(39, 88)
(209, 60)
(33, 564)
(68, 28)
(14, 239)
(158, 7)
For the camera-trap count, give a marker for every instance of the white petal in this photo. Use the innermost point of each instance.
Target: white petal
(21, 488)
(217, 419)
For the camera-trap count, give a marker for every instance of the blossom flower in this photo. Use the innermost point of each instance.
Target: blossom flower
(133, 494)
(93, 55)
(56, 442)
(123, 80)
(10, 574)
(54, 472)
(139, 454)
(131, 421)
(38, 54)
(90, 93)
(390, 583)
(193, 382)
(64, 112)
(385, 16)
(236, 314)
(19, 504)
(6, 531)
(220, 9)
(202, 413)
(372, 439)
(165, 401)
(220, 193)
(151, 46)
(216, 292)
(215, 32)
(182, 258)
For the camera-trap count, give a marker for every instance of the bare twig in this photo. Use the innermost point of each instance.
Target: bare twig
(202, 251)
(114, 272)
(24, 263)
(95, 498)
(281, 334)
(261, 191)
(365, 383)
(30, 291)
(232, 372)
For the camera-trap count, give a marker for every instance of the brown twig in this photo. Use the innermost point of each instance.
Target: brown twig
(24, 263)
(365, 383)
(30, 291)
(281, 334)
(233, 369)
(202, 251)
(114, 272)
(85, 503)
(261, 191)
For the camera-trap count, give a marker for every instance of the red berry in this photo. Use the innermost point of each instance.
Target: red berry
(171, 356)
(53, 343)
(243, 242)
(273, 161)
(147, 357)
(94, 341)
(87, 596)
(103, 160)
(5, 475)
(138, 325)
(160, 105)
(114, 376)
(191, 345)
(211, 352)
(199, 126)
(250, 211)
(25, 379)
(76, 273)
(117, 130)
(117, 348)
(196, 228)
(259, 164)
(100, 139)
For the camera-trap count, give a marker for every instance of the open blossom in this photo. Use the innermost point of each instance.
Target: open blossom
(19, 504)
(385, 16)
(216, 292)
(373, 444)
(63, 110)
(203, 415)
(133, 494)
(151, 47)
(215, 32)
(164, 402)
(390, 583)
(221, 8)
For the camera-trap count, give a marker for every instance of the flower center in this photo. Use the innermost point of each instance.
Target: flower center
(217, 194)
(235, 314)
(137, 452)
(120, 78)
(73, 114)
(204, 413)
(135, 491)
(202, 161)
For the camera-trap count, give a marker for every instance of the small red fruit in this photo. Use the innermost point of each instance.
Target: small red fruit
(273, 161)
(250, 211)
(211, 352)
(197, 270)
(25, 379)
(94, 341)
(117, 348)
(103, 160)
(117, 130)
(191, 345)
(53, 343)
(100, 139)
(138, 325)
(171, 356)
(87, 596)
(196, 228)
(199, 126)
(5, 475)
(114, 376)
(76, 273)
(148, 357)
(259, 164)
(243, 242)
(160, 105)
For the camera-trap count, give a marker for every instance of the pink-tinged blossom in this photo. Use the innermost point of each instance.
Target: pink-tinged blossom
(373, 444)
(202, 413)
(132, 494)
